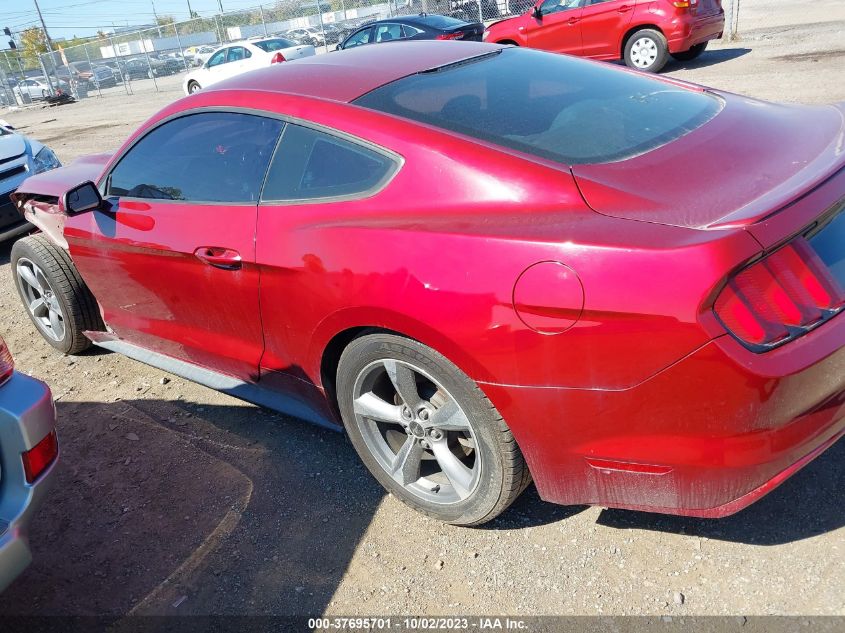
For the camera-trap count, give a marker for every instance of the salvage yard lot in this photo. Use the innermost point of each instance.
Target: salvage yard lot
(173, 499)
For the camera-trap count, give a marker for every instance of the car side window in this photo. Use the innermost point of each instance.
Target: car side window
(205, 157)
(387, 32)
(218, 58)
(237, 53)
(556, 6)
(311, 164)
(410, 31)
(356, 39)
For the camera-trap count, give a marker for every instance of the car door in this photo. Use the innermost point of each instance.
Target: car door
(172, 261)
(603, 23)
(237, 61)
(313, 173)
(215, 69)
(358, 38)
(388, 31)
(558, 27)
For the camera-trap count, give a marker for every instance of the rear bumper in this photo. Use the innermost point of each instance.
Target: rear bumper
(687, 34)
(27, 415)
(706, 437)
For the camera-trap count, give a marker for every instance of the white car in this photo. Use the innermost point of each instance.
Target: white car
(35, 87)
(240, 57)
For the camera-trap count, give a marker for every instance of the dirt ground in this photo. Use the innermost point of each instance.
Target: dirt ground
(174, 499)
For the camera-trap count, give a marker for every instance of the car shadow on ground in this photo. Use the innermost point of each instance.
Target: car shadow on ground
(165, 507)
(809, 504)
(708, 58)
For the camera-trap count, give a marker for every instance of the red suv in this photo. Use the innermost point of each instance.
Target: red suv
(642, 32)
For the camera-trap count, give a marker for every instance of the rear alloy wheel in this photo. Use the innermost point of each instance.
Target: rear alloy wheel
(56, 299)
(193, 86)
(646, 50)
(691, 54)
(426, 431)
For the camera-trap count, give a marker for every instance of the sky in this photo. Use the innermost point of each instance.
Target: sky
(67, 18)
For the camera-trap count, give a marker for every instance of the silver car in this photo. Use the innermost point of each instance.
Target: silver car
(20, 157)
(28, 453)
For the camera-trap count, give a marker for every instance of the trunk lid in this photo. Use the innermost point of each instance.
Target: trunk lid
(296, 52)
(744, 166)
(469, 32)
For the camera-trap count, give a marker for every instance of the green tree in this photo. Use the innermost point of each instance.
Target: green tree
(33, 43)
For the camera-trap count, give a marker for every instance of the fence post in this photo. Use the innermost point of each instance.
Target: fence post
(88, 57)
(152, 75)
(322, 30)
(46, 74)
(179, 44)
(731, 19)
(219, 31)
(263, 21)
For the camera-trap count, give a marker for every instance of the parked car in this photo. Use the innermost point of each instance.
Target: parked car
(35, 88)
(414, 27)
(643, 34)
(116, 68)
(202, 54)
(492, 264)
(102, 76)
(137, 68)
(73, 72)
(241, 57)
(20, 156)
(309, 35)
(164, 65)
(28, 450)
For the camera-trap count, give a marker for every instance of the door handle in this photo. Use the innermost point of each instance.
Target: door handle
(623, 9)
(219, 257)
(574, 20)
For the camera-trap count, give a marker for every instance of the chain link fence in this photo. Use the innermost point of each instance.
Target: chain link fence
(154, 59)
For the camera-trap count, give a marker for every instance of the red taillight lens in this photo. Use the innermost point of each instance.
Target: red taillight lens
(684, 4)
(7, 365)
(277, 58)
(449, 36)
(780, 297)
(39, 457)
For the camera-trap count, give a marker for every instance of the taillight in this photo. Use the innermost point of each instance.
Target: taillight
(684, 4)
(779, 297)
(277, 58)
(7, 365)
(449, 36)
(39, 457)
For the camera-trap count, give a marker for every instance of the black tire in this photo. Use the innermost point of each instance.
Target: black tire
(693, 53)
(660, 50)
(44, 94)
(193, 86)
(79, 308)
(504, 473)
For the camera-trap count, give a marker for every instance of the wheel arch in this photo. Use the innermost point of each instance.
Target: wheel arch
(333, 349)
(337, 332)
(630, 32)
(506, 42)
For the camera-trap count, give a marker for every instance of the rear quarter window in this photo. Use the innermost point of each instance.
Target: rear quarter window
(270, 46)
(555, 107)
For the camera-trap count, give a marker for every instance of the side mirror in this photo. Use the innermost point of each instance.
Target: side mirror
(82, 198)
(536, 13)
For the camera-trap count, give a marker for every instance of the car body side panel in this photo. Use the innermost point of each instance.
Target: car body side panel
(138, 259)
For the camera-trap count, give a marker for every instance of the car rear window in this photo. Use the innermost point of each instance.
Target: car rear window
(552, 106)
(269, 46)
(440, 21)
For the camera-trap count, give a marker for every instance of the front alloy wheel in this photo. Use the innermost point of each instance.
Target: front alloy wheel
(56, 299)
(40, 299)
(426, 432)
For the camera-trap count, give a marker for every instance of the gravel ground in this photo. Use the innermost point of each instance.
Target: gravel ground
(174, 499)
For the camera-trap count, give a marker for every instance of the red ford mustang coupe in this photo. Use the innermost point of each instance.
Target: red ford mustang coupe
(491, 264)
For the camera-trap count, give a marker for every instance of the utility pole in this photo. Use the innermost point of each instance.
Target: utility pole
(155, 15)
(49, 45)
(190, 11)
(220, 4)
